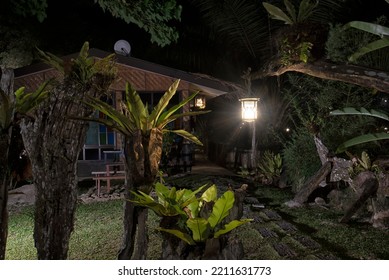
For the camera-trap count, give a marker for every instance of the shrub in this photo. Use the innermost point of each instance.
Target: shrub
(301, 160)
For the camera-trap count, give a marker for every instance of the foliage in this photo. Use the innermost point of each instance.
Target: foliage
(195, 224)
(35, 8)
(290, 54)
(171, 202)
(270, 166)
(345, 42)
(362, 164)
(366, 138)
(306, 9)
(376, 29)
(300, 158)
(150, 15)
(201, 226)
(136, 116)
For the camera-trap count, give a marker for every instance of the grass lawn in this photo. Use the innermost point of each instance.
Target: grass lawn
(98, 232)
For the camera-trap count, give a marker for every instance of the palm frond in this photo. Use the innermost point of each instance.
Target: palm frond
(127, 125)
(27, 102)
(135, 107)
(366, 138)
(174, 109)
(168, 120)
(185, 134)
(362, 111)
(163, 102)
(240, 21)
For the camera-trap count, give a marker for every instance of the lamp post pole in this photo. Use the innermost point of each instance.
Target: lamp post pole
(250, 114)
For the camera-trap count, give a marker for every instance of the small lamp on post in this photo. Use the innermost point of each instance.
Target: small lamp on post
(199, 102)
(250, 114)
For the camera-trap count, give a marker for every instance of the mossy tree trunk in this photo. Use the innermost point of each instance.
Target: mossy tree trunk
(142, 157)
(53, 142)
(6, 84)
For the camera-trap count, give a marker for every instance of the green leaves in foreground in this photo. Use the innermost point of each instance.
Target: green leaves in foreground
(199, 229)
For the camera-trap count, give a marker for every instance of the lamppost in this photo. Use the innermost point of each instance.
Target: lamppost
(250, 114)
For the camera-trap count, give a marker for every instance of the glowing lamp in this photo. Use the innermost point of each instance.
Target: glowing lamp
(200, 102)
(249, 109)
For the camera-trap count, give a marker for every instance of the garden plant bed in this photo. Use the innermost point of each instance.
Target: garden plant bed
(277, 232)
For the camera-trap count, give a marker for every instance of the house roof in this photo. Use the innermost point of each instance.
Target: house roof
(208, 85)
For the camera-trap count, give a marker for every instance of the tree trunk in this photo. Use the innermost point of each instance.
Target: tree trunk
(358, 75)
(6, 84)
(312, 184)
(53, 142)
(369, 185)
(142, 156)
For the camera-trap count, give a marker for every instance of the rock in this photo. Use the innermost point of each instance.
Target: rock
(292, 204)
(25, 195)
(320, 201)
(251, 200)
(381, 219)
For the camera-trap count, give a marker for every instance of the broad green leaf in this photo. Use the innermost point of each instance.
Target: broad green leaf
(193, 208)
(373, 46)
(221, 209)
(136, 107)
(118, 117)
(163, 102)
(168, 120)
(27, 102)
(362, 139)
(162, 191)
(291, 10)
(200, 228)
(182, 235)
(210, 194)
(230, 226)
(362, 111)
(186, 135)
(277, 13)
(305, 10)
(147, 201)
(52, 60)
(373, 28)
(174, 109)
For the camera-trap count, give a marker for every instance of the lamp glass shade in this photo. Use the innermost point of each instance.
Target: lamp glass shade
(249, 109)
(200, 102)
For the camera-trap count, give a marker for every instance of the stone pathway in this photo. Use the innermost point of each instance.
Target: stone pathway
(285, 239)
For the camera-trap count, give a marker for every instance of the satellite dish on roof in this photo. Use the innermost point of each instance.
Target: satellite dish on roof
(122, 47)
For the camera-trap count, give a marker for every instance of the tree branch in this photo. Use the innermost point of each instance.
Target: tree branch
(358, 75)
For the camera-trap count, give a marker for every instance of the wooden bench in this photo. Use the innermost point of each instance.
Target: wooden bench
(107, 176)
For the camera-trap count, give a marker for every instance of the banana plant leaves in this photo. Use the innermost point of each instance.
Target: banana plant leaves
(366, 137)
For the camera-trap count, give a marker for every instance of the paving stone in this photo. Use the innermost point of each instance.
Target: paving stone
(251, 200)
(258, 220)
(287, 227)
(326, 256)
(267, 233)
(308, 242)
(272, 214)
(284, 251)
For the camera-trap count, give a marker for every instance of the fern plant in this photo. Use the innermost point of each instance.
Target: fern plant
(270, 166)
(362, 164)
